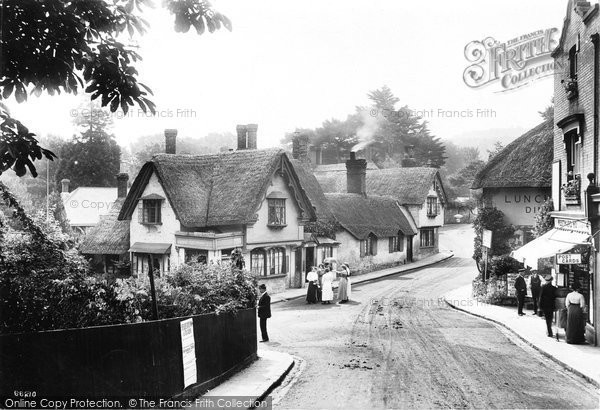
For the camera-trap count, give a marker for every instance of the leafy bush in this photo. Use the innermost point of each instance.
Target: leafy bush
(492, 219)
(501, 265)
(491, 291)
(45, 283)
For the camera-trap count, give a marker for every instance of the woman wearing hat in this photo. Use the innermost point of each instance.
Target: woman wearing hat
(344, 289)
(312, 278)
(575, 303)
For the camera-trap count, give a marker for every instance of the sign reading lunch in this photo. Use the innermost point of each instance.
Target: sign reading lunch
(519, 205)
(513, 63)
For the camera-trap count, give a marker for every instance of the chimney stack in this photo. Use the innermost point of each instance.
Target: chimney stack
(65, 186)
(170, 141)
(252, 130)
(300, 146)
(241, 137)
(356, 175)
(122, 179)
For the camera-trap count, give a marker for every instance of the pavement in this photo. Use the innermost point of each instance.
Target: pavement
(257, 380)
(262, 376)
(583, 360)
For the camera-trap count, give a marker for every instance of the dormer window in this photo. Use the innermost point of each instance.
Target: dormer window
(276, 205)
(149, 210)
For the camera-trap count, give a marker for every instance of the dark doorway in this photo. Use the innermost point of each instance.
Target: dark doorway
(310, 259)
(409, 248)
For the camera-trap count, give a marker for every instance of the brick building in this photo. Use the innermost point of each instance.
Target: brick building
(575, 165)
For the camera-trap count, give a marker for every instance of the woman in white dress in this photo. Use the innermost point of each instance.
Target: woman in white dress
(327, 281)
(344, 289)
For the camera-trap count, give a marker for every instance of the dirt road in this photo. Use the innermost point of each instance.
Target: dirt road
(397, 345)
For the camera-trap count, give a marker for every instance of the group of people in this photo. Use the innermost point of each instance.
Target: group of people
(544, 296)
(320, 284)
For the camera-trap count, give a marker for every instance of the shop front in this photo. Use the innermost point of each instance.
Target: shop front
(567, 252)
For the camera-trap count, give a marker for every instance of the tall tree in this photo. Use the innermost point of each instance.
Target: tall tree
(93, 157)
(58, 46)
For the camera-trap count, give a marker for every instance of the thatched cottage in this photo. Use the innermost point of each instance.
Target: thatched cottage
(107, 243)
(418, 189)
(518, 179)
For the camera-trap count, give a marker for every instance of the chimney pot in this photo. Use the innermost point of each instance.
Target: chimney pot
(171, 141)
(65, 185)
(252, 137)
(122, 179)
(242, 136)
(356, 175)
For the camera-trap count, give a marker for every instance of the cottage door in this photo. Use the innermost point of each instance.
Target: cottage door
(409, 248)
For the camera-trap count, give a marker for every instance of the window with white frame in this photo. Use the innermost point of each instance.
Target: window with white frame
(150, 211)
(276, 211)
(369, 246)
(427, 237)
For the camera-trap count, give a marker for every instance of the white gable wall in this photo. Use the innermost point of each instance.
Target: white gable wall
(164, 233)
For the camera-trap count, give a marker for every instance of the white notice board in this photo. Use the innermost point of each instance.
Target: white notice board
(486, 238)
(188, 349)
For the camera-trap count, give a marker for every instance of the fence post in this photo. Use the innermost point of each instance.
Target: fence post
(152, 288)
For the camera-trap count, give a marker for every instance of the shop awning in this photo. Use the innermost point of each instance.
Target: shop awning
(322, 240)
(549, 244)
(155, 248)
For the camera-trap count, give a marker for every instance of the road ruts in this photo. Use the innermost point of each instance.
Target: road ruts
(398, 345)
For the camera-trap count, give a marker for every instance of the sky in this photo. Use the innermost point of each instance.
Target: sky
(294, 64)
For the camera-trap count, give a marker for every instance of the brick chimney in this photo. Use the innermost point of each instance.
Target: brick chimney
(582, 7)
(300, 146)
(170, 141)
(356, 175)
(122, 179)
(65, 186)
(252, 130)
(242, 136)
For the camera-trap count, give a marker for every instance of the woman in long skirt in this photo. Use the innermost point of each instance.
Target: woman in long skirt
(312, 279)
(575, 303)
(344, 290)
(327, 288)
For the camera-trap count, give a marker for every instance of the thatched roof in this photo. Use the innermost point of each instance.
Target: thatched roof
(110, 236)
(361, 215)
(410, 186)
(217, 189)
(524, 163)
(311, 186)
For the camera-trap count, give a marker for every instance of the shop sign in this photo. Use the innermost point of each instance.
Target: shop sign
(568, 259)
(572, 225)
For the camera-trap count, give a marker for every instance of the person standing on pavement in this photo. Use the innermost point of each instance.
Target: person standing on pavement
(521, 291)
(535, 284)
(575, 303)
(327, 281)
(320, 273)
(264, 311)
(547, 297)
(344, 290)
(312, 279)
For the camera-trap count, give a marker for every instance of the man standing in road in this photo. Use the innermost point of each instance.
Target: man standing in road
(535, 283)
(547, 296)
(521, 291)
(264, 311)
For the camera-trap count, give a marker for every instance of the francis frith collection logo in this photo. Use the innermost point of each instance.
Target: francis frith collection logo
(511, 64)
